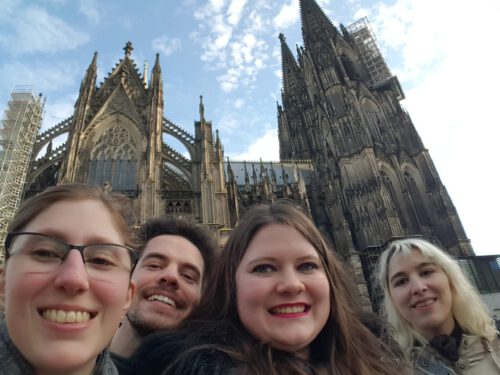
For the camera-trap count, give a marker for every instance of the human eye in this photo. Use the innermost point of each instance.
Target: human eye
(399, 282)
(44, 253)
(102, 256)
(43, 249)
(308, 266)
(427, 272)
(190, 277)
(152, 265)
(263, 268)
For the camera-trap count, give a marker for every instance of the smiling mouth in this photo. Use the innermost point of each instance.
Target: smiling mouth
(425, 303)
(66, 317)
(164, 299)
(289, 309)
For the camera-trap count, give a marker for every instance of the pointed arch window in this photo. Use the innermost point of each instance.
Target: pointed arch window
(113, 160)
(417, 200)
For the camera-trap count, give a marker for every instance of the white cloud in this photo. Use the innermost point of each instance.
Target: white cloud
(448, 70)
(288, 15)
(43, 76)
(233, 40)
(166, 45)
(235, 10)
(32, 30)
(265, 147)
(91, 9)
(238, 103)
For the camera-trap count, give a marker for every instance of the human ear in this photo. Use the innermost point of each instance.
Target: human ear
(130, 295)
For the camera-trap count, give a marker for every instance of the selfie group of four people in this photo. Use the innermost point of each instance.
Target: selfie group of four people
(82, 295)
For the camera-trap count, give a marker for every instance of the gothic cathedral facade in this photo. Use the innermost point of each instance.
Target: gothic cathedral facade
(350, 154)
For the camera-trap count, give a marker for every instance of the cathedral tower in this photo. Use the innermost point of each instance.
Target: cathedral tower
(341, 108)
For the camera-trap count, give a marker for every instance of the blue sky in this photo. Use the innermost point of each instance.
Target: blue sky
(228, 51)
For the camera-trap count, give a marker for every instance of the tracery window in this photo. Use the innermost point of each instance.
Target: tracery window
(114, 160)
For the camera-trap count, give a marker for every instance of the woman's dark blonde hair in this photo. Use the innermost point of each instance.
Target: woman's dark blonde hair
(344, 346)
(118, 205)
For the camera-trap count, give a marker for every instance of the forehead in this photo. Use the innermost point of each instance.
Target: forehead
(87, 216)
(174, 247)
(279, 241)
(403, 262)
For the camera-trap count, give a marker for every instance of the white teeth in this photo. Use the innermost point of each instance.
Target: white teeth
(61, 316)
(289, 310)
(164, 299)
(424, 303)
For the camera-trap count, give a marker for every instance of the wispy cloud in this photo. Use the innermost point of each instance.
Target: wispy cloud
(28, 30)
(231, 35)
(166, 45)
(265, 147)
(235, 11)
(44, 76)
(91, 9)
(287, 16)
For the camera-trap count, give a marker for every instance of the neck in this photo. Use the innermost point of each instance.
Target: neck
(125, 341)
(85, 369)
(446, 328)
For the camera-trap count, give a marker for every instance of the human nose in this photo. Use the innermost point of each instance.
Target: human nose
(72, 275)
(417, 285)
(169, 276)
(290, 283)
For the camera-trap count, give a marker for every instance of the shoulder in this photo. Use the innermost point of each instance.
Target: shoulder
(13, 363)
(426, 361)
(123, 365)
(178, 353)
(105, 365)
(479, 355)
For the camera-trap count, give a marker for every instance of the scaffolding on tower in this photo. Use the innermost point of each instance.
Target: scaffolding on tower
(364, 38)
(20, 125)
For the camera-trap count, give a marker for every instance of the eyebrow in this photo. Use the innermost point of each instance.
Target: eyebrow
(419, 266)
(57, 234)
(163, 257)
(272, 259)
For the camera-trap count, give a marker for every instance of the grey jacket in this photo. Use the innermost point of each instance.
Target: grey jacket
(13, 363)
(477, 356)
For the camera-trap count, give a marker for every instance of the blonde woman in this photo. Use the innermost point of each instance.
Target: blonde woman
(437, 315)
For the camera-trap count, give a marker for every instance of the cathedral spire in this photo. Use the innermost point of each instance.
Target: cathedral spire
(202, 110)
(290, 69)
(315, 23)
(145, 74)
(156, 80)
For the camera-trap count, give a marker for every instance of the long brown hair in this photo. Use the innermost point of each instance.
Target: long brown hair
(344, 346)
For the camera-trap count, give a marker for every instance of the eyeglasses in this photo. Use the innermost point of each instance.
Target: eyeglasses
(44, 253)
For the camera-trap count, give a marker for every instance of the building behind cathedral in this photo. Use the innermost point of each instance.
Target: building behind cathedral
(350, 154)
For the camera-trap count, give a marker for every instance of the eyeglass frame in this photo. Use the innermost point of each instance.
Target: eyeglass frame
(134, 255)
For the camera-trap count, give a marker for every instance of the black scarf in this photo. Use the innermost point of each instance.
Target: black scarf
(447, 345)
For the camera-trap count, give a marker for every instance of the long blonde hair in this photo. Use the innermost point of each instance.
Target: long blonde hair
(467, 308)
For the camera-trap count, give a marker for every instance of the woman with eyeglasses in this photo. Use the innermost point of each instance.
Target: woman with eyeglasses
(437, 315)
(65, 283)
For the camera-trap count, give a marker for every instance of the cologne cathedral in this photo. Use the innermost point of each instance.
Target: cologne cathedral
(350, 154)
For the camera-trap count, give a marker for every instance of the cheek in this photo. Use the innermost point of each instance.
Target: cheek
(24, 287)
(399, 299)
(142, 279)
(193, 293)
(111, 295)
